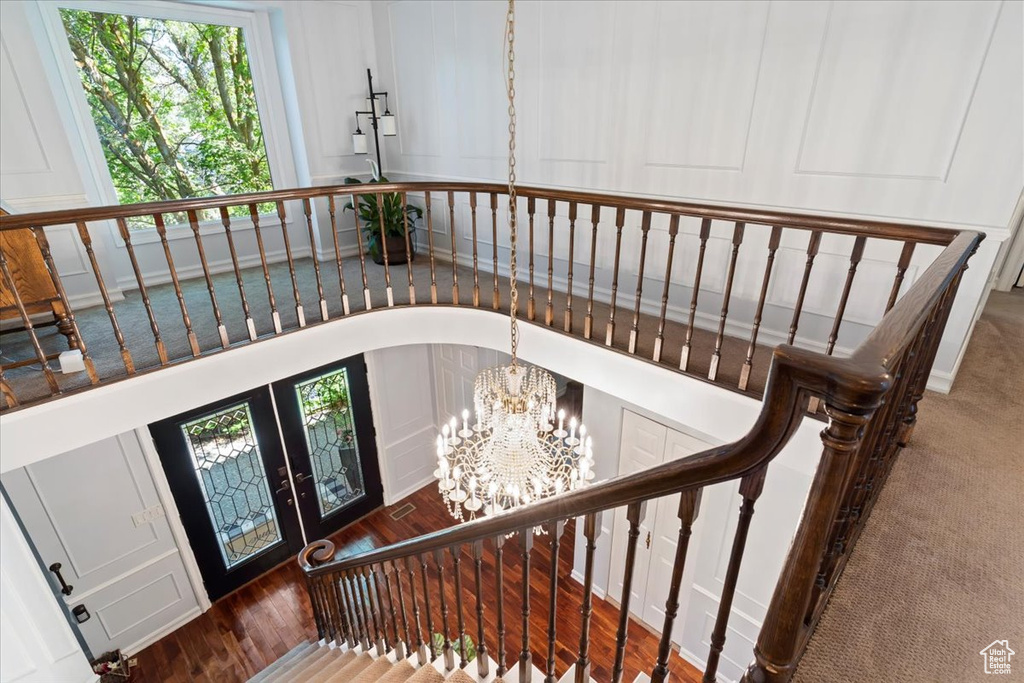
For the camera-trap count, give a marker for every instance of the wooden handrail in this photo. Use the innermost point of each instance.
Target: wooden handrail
(834, 224)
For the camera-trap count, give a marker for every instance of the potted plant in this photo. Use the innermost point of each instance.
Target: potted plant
(384, 214)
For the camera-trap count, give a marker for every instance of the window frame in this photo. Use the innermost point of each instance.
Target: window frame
(267, 85)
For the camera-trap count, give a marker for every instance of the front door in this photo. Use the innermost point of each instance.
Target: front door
(328, 431)
(226, 469)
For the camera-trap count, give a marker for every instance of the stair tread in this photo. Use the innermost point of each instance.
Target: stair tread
(297, 669)
(324, 674)
(352, 669)
(426, 674)
(281, 661)
(400, 673)
(374, 672)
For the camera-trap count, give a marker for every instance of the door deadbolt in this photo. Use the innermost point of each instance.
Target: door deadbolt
(648, 541)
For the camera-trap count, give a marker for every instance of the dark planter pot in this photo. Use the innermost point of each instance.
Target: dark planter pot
(396, 251)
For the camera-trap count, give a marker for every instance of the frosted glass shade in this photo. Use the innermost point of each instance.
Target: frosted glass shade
(359, 143)
(388, 125)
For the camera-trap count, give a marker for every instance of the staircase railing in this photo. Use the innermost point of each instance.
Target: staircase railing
(581, 252)
(870, 400)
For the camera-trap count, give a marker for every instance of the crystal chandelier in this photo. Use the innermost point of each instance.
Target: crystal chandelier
(516, 449)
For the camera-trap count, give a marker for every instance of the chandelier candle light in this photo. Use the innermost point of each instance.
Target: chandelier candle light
(517, 449)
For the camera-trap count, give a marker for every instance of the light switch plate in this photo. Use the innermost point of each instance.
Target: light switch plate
(148, 515)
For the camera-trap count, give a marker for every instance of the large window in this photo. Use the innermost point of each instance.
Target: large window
(174, 105)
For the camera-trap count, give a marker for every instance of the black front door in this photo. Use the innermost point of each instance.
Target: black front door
(328, 432)
(226, 470)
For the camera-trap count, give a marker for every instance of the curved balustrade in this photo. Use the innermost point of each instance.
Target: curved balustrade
(868, 393)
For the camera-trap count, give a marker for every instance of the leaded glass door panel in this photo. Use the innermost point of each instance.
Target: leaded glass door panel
(328, 429)
(227, 472)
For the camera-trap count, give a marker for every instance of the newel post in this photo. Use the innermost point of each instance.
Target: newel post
(314, 555)
(781, 639)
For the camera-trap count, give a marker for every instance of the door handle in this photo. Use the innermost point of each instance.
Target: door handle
(64, 587)
(301, 477)
(286, 487)
(648, 541)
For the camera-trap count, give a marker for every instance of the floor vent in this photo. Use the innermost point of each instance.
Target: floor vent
(403, 511)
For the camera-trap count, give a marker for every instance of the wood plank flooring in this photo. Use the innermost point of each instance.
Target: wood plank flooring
(249, 629)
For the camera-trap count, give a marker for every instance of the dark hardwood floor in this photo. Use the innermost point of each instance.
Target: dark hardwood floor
(249, 629)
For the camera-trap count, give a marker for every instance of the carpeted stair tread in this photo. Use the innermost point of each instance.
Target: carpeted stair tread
(352, 669)
(460, 676)
(282, 661)
(400, 673)
(324, 674)
(318, 657)
(426, 674)
(372, 673)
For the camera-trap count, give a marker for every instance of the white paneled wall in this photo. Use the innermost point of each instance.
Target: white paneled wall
(902, 111)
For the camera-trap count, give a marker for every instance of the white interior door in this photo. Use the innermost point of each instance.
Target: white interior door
(666, 538)
(642, 447)
(95, 510)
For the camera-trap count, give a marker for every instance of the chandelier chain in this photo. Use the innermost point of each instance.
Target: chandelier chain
(510, 85)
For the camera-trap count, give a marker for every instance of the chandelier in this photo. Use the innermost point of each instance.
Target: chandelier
(516, 449)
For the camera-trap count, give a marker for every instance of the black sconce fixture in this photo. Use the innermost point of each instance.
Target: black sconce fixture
(382, 123)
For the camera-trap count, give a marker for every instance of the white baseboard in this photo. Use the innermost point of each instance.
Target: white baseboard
(142, 644)
(394, 497)
(940, 381)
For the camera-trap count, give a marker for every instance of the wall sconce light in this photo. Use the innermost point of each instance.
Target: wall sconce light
(385, 123)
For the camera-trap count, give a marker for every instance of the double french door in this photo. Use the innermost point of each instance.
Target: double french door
(258, 475)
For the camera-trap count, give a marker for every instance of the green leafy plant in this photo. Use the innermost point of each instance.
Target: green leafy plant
(384, 212)
(438, 643)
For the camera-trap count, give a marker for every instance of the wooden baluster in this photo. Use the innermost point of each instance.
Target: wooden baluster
(525, 546)
(855, 257)
(620, 220)
(531, 307)
(331, 209)
(161, 350)
(421, 648)
(481, 643)
(254, 215)
(426, 609)
(331, 620)
(193, 221)
(588, 322)
(554, 530)
(499, 581)
(705, 233)
(549, 312)
(299, 314)
(716, 357)
(812, 250)
(351, 637)
(635, 514)
(308, 210)
(378, 631)
(350, 610)
(225, 220)
(460, 618)
(193, 342)
(396, 567)
(689, 504)
(376, 596)
(750, 488)
(572, 246)
(382, 241)
(901, 270)
(408, 251)
(359, 611)
(645, 228)
(396, 642)
(10, 399)
(773, 246)
(126, 356)
(659, 340)
(430, 248)
(315, 602)
(367, 302)
(476, 271)
(26, 321)
(591, 531)
(449, 655)
(455, 255)
(321, 608)
(496, 299)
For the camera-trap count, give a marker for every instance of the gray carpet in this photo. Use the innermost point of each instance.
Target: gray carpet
(938, 572)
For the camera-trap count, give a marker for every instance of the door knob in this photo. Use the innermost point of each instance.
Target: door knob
(648, 541)
(64, 587)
